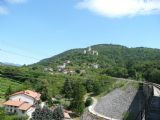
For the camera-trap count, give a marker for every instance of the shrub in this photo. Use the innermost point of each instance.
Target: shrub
(88, 102)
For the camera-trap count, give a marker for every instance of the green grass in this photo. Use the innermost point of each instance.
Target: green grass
(5, 83)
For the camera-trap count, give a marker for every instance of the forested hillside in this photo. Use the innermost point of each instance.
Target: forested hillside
(113, 60)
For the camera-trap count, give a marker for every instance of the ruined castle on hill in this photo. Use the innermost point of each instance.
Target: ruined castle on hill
(90, 51)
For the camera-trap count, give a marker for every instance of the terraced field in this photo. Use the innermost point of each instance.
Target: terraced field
(5, 83)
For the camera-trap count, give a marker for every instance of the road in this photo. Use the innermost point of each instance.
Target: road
(91, 110)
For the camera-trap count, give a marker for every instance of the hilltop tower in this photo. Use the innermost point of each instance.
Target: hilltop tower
(89, 49)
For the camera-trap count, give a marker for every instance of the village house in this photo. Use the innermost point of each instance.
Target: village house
(61, 67)
(22, 103)
(95, 66)
(49, 69)
(68, 71)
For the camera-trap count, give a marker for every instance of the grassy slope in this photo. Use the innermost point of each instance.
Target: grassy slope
(5, 83)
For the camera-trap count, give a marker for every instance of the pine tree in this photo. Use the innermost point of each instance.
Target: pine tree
(67, 89)
(8, 92)
(89, 85)
(42, 114)
(46, 114)
(36, 115)
(77, 103)
(58, 113)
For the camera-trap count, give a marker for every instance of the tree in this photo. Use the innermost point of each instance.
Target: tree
(155, 76)
(8, 92)
(44, 94)
(2, 114)
(88, 101)
(97, 88)
(41, 87)
(42, 114)
(77, 104)
(89, 85)
(58, 113)
(36, 115)
(132, 73)
(67, 89)
(47, 114)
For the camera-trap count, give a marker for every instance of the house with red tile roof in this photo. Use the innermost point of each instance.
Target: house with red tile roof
(22, 103)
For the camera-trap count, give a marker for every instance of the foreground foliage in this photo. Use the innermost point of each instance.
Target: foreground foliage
(47, 114)
(4, 116)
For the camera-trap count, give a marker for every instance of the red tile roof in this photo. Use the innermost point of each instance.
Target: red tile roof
(20, 104)
(13, 103)
(30, 93)
(25, 106)
(66, 115)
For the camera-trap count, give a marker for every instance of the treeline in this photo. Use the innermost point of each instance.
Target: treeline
(75, 92)
(149, 71)
(20, 74)
(48, 114)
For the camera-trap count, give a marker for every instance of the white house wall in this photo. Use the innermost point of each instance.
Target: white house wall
(10, 109)
(30, 111)
(20, 113)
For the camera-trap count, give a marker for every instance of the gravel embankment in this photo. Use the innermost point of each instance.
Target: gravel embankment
(117, 102)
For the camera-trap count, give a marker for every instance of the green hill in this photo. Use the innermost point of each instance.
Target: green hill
(108, 55)
(114, 60)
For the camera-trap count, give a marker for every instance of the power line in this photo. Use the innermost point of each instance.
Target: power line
(13, 53)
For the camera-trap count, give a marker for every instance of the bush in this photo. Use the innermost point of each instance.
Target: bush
(47, 114)
(15, 117)
(88, 102)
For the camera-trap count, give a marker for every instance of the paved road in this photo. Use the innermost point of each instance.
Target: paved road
(91, 110)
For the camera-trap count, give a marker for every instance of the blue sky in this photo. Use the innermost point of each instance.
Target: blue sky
(31, 30)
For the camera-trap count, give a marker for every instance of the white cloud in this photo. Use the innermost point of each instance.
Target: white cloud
(120, 8)
(16, 1)
(4, 5)
(3, 10)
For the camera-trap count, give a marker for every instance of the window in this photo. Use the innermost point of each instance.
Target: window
(23, 111)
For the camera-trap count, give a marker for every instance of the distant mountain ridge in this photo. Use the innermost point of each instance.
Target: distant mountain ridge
(10, 64)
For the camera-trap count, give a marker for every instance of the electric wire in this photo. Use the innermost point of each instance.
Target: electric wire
(14, 53)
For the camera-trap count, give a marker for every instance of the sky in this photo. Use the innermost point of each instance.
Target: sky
(31, 30)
